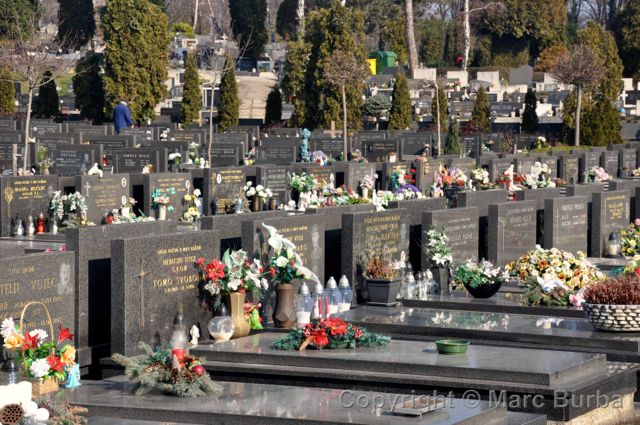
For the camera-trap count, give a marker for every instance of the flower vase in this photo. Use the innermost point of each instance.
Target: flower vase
(162, 212)
(295, 196)
(235, 302)
(365, 192)
(256, 204)
(284, 315)
(124, 211)
(45, 171)
(273, 204)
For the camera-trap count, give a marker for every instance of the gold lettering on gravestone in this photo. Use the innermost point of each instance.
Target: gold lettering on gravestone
(615, 207)
(382, 231)
(298, 235)
(107, 194)
(230, 177)
(176, 269)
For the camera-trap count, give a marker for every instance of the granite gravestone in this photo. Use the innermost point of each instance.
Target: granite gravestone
(365, 231)
(482, 199)
(276, 179)
(565, 223)
(134, 160)
(225, 154)
(460, 225)
(425, 173)
(187, 136)
(379, 150)
(628, 160)
(7, 124)
(610, 213)
(609, 161)
(73, 160)
(355, 173)
(414, 144)
(588, 160)
(331, 147)
(50, 140)
(511, 230)
(10, 137)
(497, 167)
(569, 168)
(152, 277)
(276, 155)
(91, 246)
(523, 164)
(221, 187)
(139, 133)
(104, 194)
(324, 175)
(7, 156)
(111, 143)
(24, 196)
(180, 182)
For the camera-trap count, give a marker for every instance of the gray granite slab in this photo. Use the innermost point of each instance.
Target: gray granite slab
(24, 196)
(182, 184)
(511, 231)
(103, 194)
(482, 199)
(461, 225)
(566, 222)
(610, 213)
(221, 186)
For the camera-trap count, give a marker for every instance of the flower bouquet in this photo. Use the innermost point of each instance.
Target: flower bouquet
(192, 152)
(192, 203)
(538, 178)
(454, 177)
(636, 172)
(368, 184)
(160, 370)
(597, 175)
(61, 206)
(436, 249)
(330, 334)
(480, 179)
(175, 158)
(482, 280)
(161, 201)
(303, 183)
(630, 239)
(48, 363)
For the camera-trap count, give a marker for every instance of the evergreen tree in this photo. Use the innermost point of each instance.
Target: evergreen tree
(248, 25)
(529, 117)
(286, 20)
(452, 142)
(273, 114)
(136, 60)
(442, 101)
(480, 114)
(229, 111)
(293, 79)
(400, 115)
(376, 106)
(191, 95)
(626, 27)
(15, 17)
(89, 89)
(7, 92)
(395, 35)
(48, 101)
(329, 29)
(433, 42)
(77, 25)
(162, 4)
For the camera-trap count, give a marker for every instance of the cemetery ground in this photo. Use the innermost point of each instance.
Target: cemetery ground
(396, 287)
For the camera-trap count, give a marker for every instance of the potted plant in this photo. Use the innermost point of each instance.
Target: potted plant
(438, 257)
(614, 304)
(161, 201)
(381, 277)
(482, 280)
(285, 266)
(232, 278)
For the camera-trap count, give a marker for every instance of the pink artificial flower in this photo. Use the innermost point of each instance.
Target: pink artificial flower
(637, 222)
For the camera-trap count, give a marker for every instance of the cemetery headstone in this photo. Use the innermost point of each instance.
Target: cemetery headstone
(276, 155)
(275, 178)
(73, 160)
(565, 222)
(460, 225)
(180, 182)
(103, 194)
(221, 187)
(24, 196)
(511, 231)
(610, 213)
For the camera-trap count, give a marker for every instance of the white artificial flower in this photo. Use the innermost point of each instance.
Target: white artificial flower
(7, 327)
(42, 335)
(265, 283)
(197, 193)
(249, 184)
(259, 187)
(39, 368)
(549, 281)
(251, 192)
(234, 284)
(281, 261)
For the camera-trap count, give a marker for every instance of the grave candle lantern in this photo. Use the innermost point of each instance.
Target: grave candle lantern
(333, 296)
(179, 340)
(613, 245)
(40, 223)
(304, 306)
(346, 294)
(320, 303)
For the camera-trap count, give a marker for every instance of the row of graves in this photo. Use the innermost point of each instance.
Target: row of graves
(118, 257)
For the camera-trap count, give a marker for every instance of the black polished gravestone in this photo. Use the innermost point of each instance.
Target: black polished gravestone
(47, 278)
(324, 175)
(10, 137)
(511, 231)
(51, 140)
(609, 161)
(523, 164)
(426, 172)
(152, 277)
(330, 147)
(180, 182)
(587, 161)
(74, 160)
(366, 231)
(8, 153)
(139, 133)
(609, 213)
(415, 144)
(225, 154)
(379, 150)
(628, 160)
(112, 143)
(191, 136)
(351, 174)
(460, 225)
(276, 155)
(498, 166)
(552, 162)
(134, 160)
(24, 196)
(7, 124)
(539, 196)
(275, 178)
(569, 168)
(103, 194)
(91, 246)
(220, 188)
(566, 221)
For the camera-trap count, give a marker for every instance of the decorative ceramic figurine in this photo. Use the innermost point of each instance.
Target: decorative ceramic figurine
(195, 334)
(73, 376)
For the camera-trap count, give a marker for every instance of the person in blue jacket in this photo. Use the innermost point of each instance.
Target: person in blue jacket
(122, 116)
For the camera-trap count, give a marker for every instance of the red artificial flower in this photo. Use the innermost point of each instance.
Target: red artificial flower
(215, 270)
(320, 338)
(292, 262)
(55, 363)
(30, 341)
(64, 334)
(357, 332)
(413, 170)
(200, 262)
(336, 326)
(637, 270)
(272, 271)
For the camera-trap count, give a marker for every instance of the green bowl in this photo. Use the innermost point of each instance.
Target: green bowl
(452, 346)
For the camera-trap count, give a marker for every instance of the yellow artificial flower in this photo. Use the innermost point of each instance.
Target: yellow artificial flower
(13, 341)
(69, 355)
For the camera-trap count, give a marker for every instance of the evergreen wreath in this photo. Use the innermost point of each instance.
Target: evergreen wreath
(159, 370)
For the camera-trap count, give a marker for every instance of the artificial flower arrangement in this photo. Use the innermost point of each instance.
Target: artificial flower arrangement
(160, 370)
(162, 197)
(630, 239)
(250, 157)
(636, 172)
(40, 359)
(116, 217)
(538, 178)
(192, 152)
(235, 273)
(597, 174)
(130, 202)
(436, 249)
(331, 197)
(333, 333)
(175, 158)
(633, 266)
(61, 206)
(552, 276)
(480, 179)
(303, 183)
(541, 142)
(318, 157)
(260, 191)
(474, 274)
(453, 177)
(368, 182)
(285, 264)
(192, 203)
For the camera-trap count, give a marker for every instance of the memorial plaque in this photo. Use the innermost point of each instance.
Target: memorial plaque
(74, 160)
(10, 137)
(378, 150)
(363, 231)
(7, 156)
(225, 154)
(569, 169)
(112, 143)
(42, 128)
(152, 278)
(511, 231)
(628, 161)
(134, 160)
(369, 135)
(276, 155)
(587, 161)
(221, 187)
(324, 175)
(610, 213)
(331, 147)
(415, 144)
(140, 133)
(180, 182)
(7, 124)
(461, 227)
(50, 140)
(565, 223)
(103, 194)
(275, 178)
(609, 161)
(24, 196)
(355, 173)
(187, 136)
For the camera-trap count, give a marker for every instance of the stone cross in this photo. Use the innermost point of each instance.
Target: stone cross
(141, 276)
(87, 186)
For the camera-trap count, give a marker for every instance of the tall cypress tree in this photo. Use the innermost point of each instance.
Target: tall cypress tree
(248, 24)
(452, 142)
(48, 101)
(529, 116)
(442, 102)
(400, 115)
(273, 114)
(293, 79)
(77, 25)
(229, 112)
(191, 96)
(7, 92)
(88, 88)
(136, 59)
(480, 113)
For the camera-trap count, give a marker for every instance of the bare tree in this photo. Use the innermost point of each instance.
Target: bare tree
(467, 27)
(581, 67)
(34, 60)
(412, 49)
(343, 69)
(300, 16)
